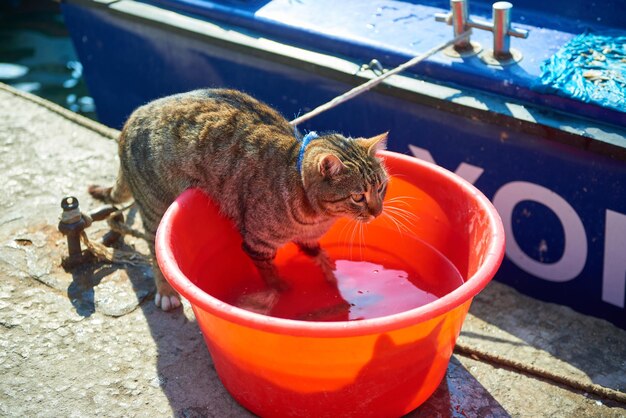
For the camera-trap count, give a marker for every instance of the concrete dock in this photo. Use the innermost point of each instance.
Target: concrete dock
(90, 342)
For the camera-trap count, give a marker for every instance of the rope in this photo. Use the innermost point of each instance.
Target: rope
(598, 390)
(376, 81)
(115, 256)
(123, 229)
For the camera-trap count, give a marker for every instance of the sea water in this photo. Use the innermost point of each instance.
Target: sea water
(37, 55)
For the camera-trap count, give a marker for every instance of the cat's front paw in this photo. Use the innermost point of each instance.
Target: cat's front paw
(166, 297)
(279, 285)
(167, 302)
(327, 265)
(259, 302)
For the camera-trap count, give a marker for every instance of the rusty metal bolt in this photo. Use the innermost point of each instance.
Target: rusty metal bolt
(72, 223)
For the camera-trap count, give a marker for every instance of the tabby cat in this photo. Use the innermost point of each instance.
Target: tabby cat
(276, 186)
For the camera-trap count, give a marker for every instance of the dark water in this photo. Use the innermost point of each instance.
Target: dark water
(37, 55)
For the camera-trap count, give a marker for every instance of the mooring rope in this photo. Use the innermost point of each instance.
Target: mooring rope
(530, 369)
(362, 88)
(113, 255)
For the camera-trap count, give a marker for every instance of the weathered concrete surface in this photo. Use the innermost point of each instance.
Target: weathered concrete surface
(93, 344)
(548, 336)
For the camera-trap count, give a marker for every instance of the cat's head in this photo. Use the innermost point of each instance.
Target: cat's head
(344, 177)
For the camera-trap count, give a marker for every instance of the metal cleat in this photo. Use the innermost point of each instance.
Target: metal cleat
(502, 53)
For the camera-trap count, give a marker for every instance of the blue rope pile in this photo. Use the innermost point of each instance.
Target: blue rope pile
(590, 68)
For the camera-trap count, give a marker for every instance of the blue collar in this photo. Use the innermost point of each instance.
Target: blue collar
(305, 141)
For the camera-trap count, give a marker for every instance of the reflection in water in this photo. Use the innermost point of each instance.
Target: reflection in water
(374, 291)
(37, 55)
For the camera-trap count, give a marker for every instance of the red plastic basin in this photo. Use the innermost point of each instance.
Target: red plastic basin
(383, 366)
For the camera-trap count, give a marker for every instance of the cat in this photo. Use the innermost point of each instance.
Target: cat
(274, 185)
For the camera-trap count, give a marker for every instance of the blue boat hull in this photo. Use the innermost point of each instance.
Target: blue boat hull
(561, 193)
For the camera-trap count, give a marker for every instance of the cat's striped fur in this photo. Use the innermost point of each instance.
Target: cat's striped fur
(243, 154)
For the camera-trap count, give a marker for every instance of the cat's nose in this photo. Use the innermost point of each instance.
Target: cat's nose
(376, 209)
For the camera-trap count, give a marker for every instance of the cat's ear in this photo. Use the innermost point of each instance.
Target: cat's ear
(376, 143)
(330, 165)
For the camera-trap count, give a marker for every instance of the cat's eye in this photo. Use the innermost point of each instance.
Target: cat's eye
(358, 197)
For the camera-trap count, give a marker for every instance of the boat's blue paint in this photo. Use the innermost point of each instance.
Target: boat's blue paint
(558, 191)
(392, 31)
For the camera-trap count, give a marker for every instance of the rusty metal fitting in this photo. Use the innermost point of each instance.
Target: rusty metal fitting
(72, 224)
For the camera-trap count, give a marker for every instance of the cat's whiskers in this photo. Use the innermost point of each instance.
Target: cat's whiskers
(406, 224)
(400, 227)
(355, 224)
(400, 199)
(361, 239)
(402, 218)
(405, 214)
(343, 235)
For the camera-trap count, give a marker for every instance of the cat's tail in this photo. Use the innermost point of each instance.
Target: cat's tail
(119, 193)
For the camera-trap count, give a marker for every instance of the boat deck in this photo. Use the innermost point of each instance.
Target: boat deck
(92, 343)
